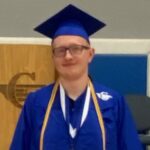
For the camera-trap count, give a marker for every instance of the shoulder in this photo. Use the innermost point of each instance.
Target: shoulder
(105, 93)
(111, 102)
(108, 97)
(40, 97)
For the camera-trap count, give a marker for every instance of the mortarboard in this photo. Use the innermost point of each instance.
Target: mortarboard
(70, 21)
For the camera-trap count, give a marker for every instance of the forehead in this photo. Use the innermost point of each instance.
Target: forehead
(69, 39)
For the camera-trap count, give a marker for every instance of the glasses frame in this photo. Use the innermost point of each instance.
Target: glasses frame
(74, 50)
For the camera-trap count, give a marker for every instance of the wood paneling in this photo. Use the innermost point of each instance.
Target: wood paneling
(17, 65)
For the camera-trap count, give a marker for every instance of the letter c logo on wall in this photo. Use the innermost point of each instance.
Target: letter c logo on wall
(16, 93)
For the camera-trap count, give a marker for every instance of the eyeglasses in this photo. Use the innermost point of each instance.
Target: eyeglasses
(73, 49)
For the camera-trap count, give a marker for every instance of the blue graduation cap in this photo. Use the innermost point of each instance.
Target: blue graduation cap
(70, 21)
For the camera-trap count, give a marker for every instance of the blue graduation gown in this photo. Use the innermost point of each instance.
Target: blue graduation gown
(120, 129)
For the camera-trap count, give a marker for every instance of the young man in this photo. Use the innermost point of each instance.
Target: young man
(74, 113)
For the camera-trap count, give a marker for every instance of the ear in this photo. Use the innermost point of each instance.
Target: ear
(91, 54)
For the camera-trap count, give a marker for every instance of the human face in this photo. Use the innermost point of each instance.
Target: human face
(72, 66)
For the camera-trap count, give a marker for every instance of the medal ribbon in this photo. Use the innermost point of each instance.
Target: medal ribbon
(73, 131)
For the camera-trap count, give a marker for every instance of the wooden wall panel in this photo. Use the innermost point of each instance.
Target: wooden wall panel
(23, 68)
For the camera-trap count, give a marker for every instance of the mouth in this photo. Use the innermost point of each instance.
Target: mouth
(68, 64)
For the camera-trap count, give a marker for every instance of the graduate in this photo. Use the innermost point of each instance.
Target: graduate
(74, 113)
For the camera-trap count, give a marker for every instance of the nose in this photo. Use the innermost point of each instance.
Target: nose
(68, 55)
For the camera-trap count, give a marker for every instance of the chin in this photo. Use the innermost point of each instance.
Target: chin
(70, 76)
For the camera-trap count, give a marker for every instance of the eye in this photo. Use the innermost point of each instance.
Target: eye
(59, 50)
(75, 48)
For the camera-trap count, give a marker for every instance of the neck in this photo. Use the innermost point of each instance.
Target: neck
(74, 88)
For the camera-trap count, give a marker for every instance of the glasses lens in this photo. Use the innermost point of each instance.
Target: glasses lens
(76, 49)
(59, 52)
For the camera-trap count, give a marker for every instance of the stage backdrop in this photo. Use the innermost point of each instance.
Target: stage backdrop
(23, 68)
